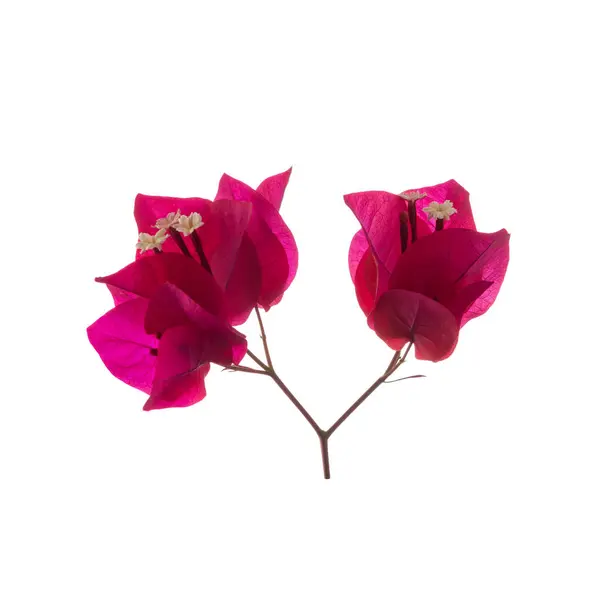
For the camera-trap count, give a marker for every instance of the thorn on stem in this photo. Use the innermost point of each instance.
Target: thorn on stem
(402, 378)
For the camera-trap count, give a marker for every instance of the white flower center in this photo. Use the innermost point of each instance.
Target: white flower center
(149, 242)
(445, 210)
(412, 196)
(188, 224)
(168, 221)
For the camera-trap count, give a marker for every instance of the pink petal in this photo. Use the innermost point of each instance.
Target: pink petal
(179, 392)
(234, 189)
(379, 215)
(222, 235)
(145, 276)
(232, 256)
(273, 188)
(243, 288)
(148, 209)
(275, 245)
(181, 367)
(124, 346)
(275, 279)
(450, 190)
(402, 316)
(358, 246)
(446, 264)
(171, 308)
(119, 295)
(366, 282)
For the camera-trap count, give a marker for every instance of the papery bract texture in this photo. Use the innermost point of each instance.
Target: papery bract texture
(454, 270)
(402, 316)
(143, 277)
(460, 268)
(170, 308)
(125, 348)
(182, 364)
(249, 248)
(163, 341)
(232, 257)
(273, 188)
(274, 243)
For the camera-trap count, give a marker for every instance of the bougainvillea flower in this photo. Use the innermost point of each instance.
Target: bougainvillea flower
(164, 344)
(376, 247)
(420, 268)
(214, 235)
(239, 237)
(274, 243)
(142, 278)
(461, 269)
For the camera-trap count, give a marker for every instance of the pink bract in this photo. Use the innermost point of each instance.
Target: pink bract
(144, 277)
(174, 309)
(402, 316)
(125, 348)
(250, 250)
(274, 243)
(460, 268)
(163, 346)
(457, 269)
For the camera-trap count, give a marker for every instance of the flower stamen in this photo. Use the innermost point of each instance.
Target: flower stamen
(412, 196)
(440, 212)
(151, 242)
(411, 200)
(188, 224)
(168, 221)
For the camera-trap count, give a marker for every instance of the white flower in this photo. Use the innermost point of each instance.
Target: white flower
(168, 221)
(149, 242)
(187, 225)
(445, 210)
(412, 196)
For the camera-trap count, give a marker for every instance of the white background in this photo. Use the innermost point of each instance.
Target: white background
(480, 481)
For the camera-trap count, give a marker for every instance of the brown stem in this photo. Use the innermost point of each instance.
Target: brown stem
(394, 364)
(271, 373)
(296, 403)
(371, 389)
(263, 336)
(244, 369)
(324, 439)
(257, 360)
(324, 435)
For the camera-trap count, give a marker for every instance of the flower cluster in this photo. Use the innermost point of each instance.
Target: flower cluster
(175, 309)
(420, 268)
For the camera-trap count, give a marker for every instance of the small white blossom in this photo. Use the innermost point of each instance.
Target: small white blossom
(187, 225)
(149, 242)
(168, 221)
(412, 196)
(445, 210)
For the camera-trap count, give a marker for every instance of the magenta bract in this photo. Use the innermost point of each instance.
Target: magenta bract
(174, 310)
(449, 269)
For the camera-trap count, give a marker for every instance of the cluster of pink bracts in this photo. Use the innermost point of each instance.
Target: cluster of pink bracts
(420, 268)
